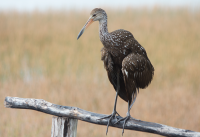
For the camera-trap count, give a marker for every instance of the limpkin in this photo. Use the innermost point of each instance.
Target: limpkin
(125, 60)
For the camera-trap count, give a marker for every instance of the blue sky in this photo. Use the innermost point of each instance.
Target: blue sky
(30, 5)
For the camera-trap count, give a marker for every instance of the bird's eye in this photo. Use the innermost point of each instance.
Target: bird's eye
(93, 15)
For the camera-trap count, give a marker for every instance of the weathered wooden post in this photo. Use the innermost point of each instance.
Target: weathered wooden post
(63, 127)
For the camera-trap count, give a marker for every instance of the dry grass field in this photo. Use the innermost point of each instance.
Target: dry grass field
(41, 58)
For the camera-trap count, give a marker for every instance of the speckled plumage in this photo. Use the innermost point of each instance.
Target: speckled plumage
(125, 61)
(122, 51)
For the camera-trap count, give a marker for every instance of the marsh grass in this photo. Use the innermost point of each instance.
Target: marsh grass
(41, 58)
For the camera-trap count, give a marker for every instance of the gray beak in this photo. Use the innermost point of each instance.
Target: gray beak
(90, 20)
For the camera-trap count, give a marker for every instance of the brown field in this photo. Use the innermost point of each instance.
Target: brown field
(41, 58)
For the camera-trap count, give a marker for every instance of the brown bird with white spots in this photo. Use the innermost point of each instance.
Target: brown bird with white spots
(125, 60)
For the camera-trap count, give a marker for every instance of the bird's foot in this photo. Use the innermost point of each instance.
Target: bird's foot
(125, 120)
(111, 116)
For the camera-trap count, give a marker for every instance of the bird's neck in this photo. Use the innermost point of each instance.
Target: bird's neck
(103, 30)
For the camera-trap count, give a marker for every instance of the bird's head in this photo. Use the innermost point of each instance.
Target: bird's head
(96, 14)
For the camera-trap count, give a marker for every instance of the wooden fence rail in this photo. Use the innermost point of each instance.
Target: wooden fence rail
(73, 113)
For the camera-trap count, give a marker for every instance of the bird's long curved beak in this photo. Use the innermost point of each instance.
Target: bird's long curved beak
(90, 20)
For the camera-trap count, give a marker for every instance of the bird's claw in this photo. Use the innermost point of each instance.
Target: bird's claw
(125, 120)
(110, 118)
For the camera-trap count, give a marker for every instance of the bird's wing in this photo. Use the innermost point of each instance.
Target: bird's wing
(112, 76)
(137, 72)
(112, 73)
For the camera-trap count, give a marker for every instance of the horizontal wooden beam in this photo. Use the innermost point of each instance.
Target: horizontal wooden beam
(77, 113)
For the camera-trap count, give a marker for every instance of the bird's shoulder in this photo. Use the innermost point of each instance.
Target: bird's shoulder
(123, 38)
(129, 42)
(121, 33)
(119, 38)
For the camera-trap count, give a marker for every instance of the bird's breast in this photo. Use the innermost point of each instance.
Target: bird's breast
(118, 54)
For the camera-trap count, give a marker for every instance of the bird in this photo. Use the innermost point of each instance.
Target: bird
(125, 60)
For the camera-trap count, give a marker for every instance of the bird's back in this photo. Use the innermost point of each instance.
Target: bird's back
(120, 43)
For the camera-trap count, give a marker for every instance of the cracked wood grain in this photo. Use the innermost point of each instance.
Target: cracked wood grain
(63, 127)
(80, 114)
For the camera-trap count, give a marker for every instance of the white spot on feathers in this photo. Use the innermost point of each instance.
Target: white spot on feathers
(126, 73)
(124, 51)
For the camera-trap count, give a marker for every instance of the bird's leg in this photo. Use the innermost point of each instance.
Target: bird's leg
(114, 109)
(111, 115)
(128, 116)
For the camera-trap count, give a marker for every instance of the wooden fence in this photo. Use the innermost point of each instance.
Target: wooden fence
(65, 124)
